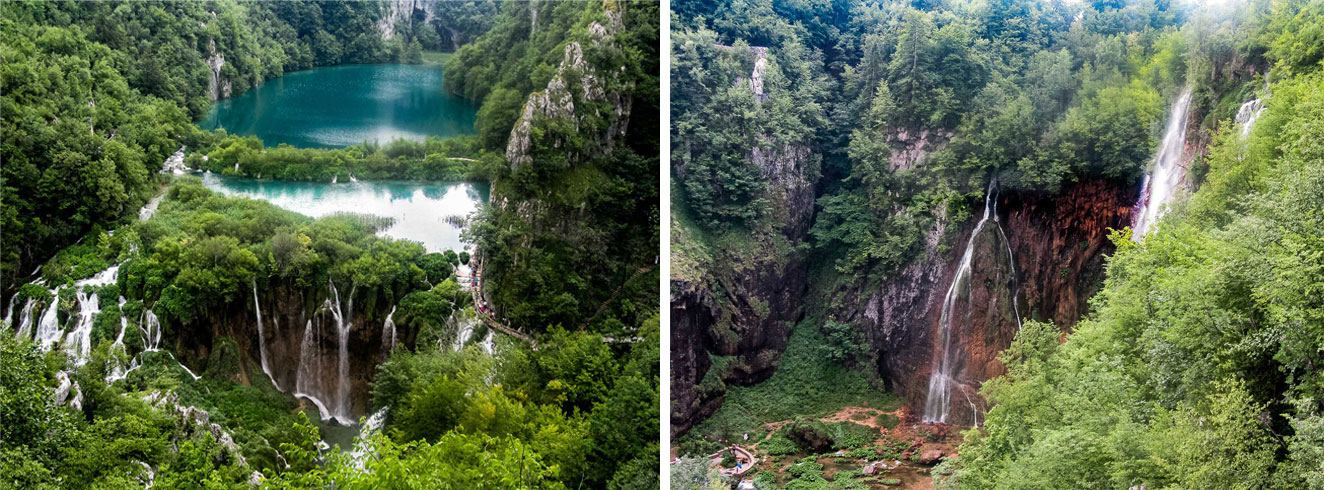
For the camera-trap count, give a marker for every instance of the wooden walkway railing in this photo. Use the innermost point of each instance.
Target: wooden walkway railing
(480, 310)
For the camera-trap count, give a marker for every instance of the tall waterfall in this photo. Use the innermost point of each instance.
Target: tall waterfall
(941, 379)
(262, 338)
(1162, 181)
(309, 382)
(388, 332)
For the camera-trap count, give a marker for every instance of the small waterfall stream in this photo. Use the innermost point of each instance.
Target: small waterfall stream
(941, 380)
(1247, 115)
(48, 327)
(115, 369)
(388, 333)
(25, 323)
(1162, 181)
(262, 339)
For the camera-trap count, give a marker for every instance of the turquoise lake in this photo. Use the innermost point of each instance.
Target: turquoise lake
(345, 105)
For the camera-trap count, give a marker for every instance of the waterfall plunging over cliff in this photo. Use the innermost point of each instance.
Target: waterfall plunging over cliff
(946, 364)
(262, 339)
(388, 333)
(308, 380)
(1162, 181)
(48, 327)
(333, 402)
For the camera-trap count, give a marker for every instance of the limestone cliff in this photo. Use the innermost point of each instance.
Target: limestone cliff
(740, 300)
(586, 115)
(218, 86)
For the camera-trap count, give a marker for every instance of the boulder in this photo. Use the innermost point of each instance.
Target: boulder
(931, 457)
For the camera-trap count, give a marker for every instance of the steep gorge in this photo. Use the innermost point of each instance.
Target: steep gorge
(1044, 259)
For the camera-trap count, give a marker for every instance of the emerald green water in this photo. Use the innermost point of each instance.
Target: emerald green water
(345, 105)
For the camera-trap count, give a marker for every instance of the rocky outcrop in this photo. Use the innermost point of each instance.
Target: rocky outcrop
(693, 311)
(397, 12)
(908, 149)
(790, 172)
(192, 420)
(218, 87)
(574, 100)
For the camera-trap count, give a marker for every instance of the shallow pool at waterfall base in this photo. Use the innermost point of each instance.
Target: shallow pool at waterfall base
(334, 433)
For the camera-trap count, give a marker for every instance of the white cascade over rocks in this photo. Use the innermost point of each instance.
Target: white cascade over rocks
(1164, 179)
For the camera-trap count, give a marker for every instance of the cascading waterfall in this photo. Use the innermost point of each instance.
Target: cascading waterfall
(79, 341)
(175, 163)
(151, 329)
(489, 343)
(463, 328)
(1162, 181)
(115, 365)
(938, 402)
(25, 323)
(9, 313)
(48, 327)
(388, 333)
(262, 338)
(307, 380)
(150, 208)
(308, 383)
(1247, 115)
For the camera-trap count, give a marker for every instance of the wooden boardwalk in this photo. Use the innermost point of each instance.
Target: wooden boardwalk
(475, 290)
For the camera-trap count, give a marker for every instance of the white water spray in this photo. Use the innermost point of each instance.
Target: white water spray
(1247, 115)
(262, 338)
(1162, 181)
(941, 379)
(25, 322)
(363, 446)
(388, 333)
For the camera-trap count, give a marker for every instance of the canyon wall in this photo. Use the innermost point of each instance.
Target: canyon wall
(741, 302)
